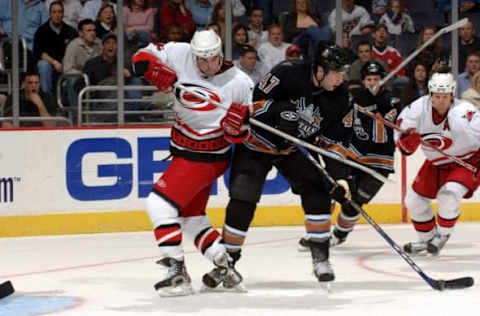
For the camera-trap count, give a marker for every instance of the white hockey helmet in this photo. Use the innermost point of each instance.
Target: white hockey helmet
(206, 44)
(442, 83)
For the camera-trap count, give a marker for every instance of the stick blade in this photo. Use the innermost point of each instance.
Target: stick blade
(6, 289)
(455, 284)
(456, 25)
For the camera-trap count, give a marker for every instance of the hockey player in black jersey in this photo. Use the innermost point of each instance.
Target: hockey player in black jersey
(304, 100)
(372, 145)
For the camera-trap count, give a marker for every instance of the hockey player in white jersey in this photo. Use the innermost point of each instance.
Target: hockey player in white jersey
(201, 148)
(453, 126)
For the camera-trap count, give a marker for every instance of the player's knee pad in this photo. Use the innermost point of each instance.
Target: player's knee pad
(316, 203)
(204, 236)
(349, 211)
(418, 206)
(449, 198)
(246, 188)
(160, 211)
(239, 214)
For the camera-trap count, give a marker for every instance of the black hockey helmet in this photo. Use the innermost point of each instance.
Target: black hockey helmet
(330, 57)
(372, 67)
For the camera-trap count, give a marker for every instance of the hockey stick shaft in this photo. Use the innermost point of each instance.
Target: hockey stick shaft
(290, 138)
(435, 284)
(424, 143)
(442, 31)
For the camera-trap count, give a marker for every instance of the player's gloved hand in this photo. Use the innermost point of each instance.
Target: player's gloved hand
(409, 141)
(338, 193)
(344, 184)
(235, 123)
(155, 72)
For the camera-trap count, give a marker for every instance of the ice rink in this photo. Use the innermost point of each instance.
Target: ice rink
(113, 274)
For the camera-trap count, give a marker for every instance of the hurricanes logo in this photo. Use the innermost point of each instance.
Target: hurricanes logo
(437, 140)
(193, 101)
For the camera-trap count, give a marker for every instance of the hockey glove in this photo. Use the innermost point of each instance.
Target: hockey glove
(409, 141)
(235, 123)
(155, 72)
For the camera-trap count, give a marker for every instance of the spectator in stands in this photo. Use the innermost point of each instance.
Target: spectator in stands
(249, 63)
(31, 14)
(49, 44)
(32, 102)
(175, 33)
(91, 7)
(433, 52)
(472, 66)
(214, 26)
(417, 83)
(293, 52)
(352, 17)
(397, 19)
(102, 70)
(386, 53)
(347, 45)
(201, 11)
(174, 11)
(364, 54)
(256, 33)
(472, 94)
(138, 19)
(240, 38)
(301, 26)
(468, 43)
(273, 51)
(71, 11)
(106, 21)
(218, 16)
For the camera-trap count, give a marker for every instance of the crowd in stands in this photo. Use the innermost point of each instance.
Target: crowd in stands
(73, 37)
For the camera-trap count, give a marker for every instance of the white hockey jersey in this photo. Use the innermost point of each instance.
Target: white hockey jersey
(197, 133)
(458, 134)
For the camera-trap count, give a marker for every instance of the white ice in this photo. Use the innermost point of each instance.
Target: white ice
(113, 274)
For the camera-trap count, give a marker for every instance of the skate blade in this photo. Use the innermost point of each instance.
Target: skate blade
(240, 288)
(181, 290)
(326, 286)
(302, 249)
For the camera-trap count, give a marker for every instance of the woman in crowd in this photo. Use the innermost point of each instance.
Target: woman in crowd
(417, 83)
(138, 21)
(397, 19)
(472, 94)
(106, 21)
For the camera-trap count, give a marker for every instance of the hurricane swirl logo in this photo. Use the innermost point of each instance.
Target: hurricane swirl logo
(437, 140)
(191, 99)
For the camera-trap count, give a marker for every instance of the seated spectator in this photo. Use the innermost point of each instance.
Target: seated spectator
(433, 52)
(352, 17)
(468, 43)
(417, 83)
(201, 11)
(273, 51)
(174, 11)
(464, 80)
(301, 26)
(32, 102)
(248, 63)
(256, 33)
(240, 38)
(138, 21)
(102, 70)
(49, 46)
(214, 26)
(347, 45)
(293, 52)
(91, 7)
(175, 33)
(472, 94)
(397, 19)
(379, 8)
(364, 54)
(78, 51)
(386, 53)
(71, 11)
(218, 16)
(106, 21)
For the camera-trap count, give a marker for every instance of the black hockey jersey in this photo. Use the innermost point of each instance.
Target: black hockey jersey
(372, 143)
(286, 97)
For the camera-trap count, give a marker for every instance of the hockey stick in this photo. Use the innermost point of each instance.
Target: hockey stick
(440, 285)
(6, 289)
(442, 31)
(289, 137)
(424, 143)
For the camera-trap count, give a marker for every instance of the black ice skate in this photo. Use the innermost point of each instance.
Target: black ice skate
(177, 282)
(225, 273)
(337, 237)
(321, 265)
(436, 244)
(415, 247)
(303, 245)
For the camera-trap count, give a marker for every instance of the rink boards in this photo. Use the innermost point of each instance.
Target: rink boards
(59, 181)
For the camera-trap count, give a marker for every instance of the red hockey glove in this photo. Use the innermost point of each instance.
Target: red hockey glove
(235, 123)
(409, 141)
(148, 66)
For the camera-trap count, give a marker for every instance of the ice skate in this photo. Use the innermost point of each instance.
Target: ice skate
(224, 273)
(415, 247)
(177, 282)
(322, 268)
(437, 243)
(303, 245)
(337, 238)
